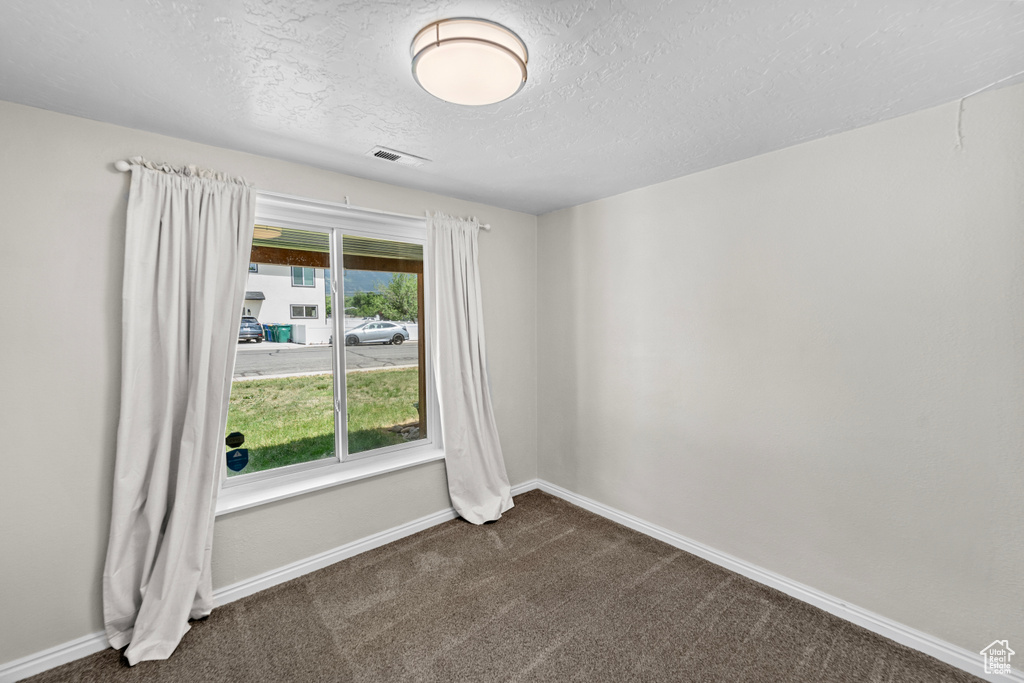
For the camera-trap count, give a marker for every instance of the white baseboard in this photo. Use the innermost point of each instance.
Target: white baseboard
(97, 642)
(526, 486)
(248, 587)
(55, 656)
(953, 655)
(274, 577)
(941, 650)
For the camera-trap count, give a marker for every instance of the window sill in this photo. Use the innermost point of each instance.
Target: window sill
(251, 494)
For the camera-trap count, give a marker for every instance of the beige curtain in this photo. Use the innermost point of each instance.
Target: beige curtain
(187, 244)
(477, 482)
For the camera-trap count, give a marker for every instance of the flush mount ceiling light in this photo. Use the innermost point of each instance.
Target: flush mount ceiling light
(469, 61)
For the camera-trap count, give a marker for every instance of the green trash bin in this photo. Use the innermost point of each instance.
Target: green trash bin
(284, 333)
(271, 331)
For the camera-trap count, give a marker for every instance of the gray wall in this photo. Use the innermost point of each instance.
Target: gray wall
(812, 360)
(62, 243)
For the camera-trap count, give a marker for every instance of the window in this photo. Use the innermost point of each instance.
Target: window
(303, 277)
(357, 397)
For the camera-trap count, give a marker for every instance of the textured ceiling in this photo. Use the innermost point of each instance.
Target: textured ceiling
(620, 94)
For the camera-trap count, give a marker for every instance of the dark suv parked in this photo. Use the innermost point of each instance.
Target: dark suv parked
(250, 330)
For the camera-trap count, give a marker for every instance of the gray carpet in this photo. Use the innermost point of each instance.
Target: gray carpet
(548, 593)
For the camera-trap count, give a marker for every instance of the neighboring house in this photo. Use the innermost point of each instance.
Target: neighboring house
(289, 295)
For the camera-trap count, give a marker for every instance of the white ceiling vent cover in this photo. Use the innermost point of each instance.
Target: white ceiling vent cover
(396, 157)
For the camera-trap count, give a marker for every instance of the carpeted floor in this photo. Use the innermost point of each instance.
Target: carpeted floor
(548, 593)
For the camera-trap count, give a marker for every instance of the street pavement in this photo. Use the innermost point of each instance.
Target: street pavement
(272, 359)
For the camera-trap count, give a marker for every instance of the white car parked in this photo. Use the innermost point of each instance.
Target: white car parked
(384, 332)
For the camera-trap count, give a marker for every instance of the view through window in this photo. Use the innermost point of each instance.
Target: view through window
(315, 374)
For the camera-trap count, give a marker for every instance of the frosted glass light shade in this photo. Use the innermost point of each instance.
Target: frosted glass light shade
(469, 61)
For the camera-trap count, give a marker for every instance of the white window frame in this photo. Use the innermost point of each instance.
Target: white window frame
(249, 490)
(315, 316)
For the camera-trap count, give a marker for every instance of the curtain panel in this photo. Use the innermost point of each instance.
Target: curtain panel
(187, 242)
(477, 481)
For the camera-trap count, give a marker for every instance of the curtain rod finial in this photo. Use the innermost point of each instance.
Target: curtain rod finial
(122, 165)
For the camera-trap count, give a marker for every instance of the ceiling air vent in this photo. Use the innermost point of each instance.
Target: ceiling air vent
(396, 157)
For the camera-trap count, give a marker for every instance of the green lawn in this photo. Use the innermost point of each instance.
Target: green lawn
(291, 420)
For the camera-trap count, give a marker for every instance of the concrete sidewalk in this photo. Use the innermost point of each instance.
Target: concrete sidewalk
(274, 346)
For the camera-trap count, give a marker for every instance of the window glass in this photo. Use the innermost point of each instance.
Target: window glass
(385, 385)
(300, 311)
(327, 293)
(283, 403)
(303, 277)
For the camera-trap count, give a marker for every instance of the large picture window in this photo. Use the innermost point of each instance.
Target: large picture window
(362, 386)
